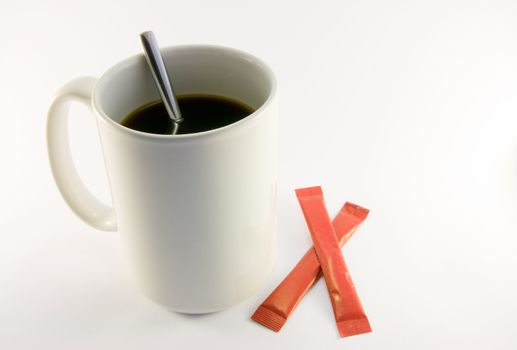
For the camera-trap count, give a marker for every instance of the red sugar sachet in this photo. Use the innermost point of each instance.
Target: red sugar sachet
(279, 305)
(348, 311)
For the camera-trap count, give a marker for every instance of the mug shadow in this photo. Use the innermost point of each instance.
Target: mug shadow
(194, 316)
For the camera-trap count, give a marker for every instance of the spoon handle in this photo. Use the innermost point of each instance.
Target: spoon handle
(161, 78)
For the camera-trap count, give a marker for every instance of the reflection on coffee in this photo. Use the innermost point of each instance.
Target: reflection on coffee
(201, 112)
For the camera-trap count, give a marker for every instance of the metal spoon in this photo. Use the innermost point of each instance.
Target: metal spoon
(161, 78)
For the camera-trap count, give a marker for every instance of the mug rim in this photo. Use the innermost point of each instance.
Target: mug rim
(224, 49)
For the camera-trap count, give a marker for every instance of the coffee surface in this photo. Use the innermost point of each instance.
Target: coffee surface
(200, 113)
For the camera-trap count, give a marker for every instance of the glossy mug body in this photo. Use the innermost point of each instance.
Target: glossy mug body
(196, 212)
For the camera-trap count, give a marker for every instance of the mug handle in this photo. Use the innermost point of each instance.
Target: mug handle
(76, 195)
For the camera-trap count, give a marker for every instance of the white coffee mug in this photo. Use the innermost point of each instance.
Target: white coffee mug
(196, 212)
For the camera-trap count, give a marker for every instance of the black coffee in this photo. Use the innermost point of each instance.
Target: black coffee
(200, 113)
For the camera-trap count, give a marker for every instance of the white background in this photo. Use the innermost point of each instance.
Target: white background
(406, 107)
